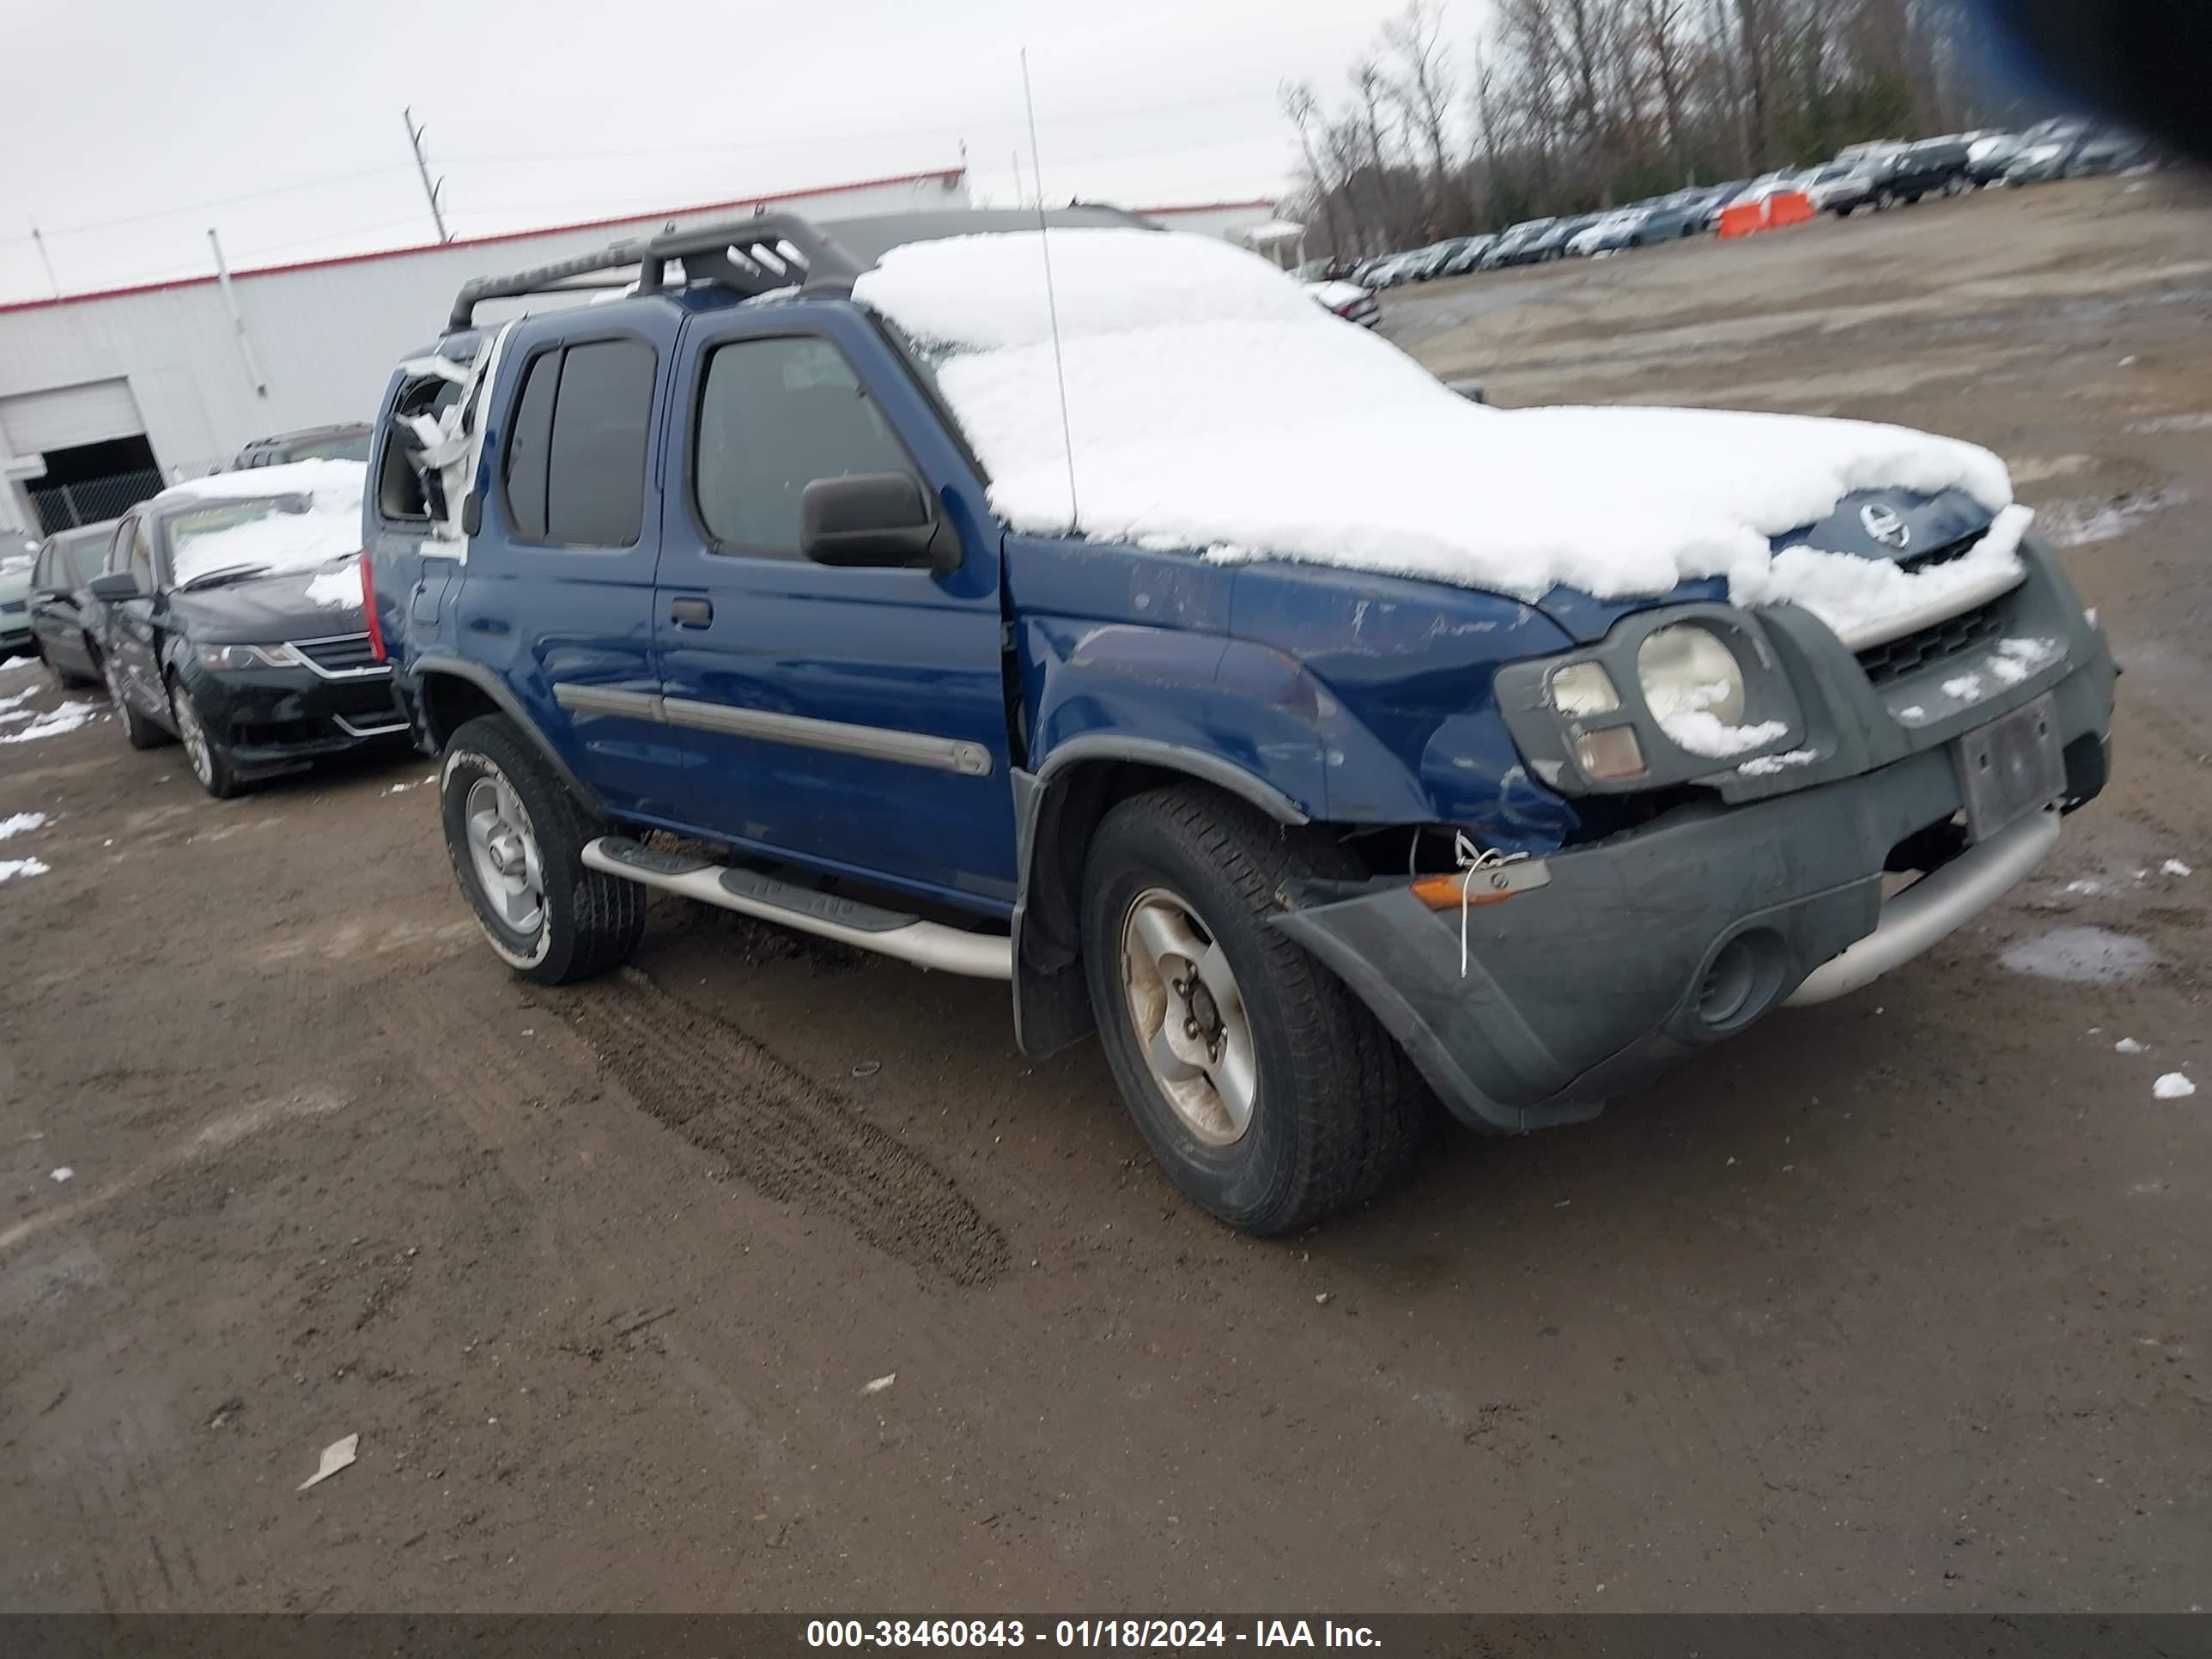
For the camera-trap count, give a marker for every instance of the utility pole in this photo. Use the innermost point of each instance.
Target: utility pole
(423, 169)
(38, 241)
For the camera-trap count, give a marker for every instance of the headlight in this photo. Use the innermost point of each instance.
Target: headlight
(1686, 670)
(249, 656)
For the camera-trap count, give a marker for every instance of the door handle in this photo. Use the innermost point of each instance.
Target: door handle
(691, 613)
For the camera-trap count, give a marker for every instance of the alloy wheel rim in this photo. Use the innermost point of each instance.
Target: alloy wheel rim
(1189, 1018)
(193, 735)
(503, 852)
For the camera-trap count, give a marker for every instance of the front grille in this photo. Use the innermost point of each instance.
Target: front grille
(14, 607)
(1938, 642)
(345, 654)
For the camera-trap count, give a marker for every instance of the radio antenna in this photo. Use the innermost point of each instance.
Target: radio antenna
(1051, 300)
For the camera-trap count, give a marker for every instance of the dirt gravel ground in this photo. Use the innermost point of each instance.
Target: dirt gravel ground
(1897, 1303)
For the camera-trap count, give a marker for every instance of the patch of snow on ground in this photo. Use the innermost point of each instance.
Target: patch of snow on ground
(20, 698)
(66, 718)
(2078, 524)
(222, 527)
(11, 665)
(337, 588)
(11, 868)
(2176, 867)
(2127, 1045)
(1765, 766)
(1214, 406)
(1851, 593)
(2081, 955)
(2015, 660)
(2088, 889)
(2175, 1086)
(20, 823)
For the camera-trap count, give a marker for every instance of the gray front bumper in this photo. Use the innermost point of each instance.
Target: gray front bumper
(1590, 985)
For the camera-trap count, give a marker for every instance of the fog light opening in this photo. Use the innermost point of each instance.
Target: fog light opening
(1739, 982)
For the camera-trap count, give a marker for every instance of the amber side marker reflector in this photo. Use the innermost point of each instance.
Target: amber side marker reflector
(1488, 884)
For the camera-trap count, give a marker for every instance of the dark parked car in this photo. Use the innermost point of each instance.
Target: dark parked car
(233, 622)
(1512, 246)
(348, 442)
(1934, 166)
(1468, 256)
(60, 623)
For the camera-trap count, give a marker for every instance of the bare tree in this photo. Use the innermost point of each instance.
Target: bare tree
(1423, 92)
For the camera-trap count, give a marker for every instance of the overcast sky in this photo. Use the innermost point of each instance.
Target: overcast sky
(278, 122)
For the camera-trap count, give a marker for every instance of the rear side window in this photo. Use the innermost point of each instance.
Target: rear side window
(595, 470)
(528, 444)
(574, 467)
(774, 415)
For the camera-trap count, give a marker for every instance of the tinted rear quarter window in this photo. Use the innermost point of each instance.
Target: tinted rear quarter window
(528, 444)
(595, 469)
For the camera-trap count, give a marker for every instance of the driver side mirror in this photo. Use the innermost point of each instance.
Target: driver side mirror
(874, 518)
(120, 585)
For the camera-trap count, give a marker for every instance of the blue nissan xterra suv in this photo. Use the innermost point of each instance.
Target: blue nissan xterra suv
(1309, 849)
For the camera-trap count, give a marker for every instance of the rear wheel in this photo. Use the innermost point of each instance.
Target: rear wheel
(137, 730)
(516, 837)
(1885, 200)
(1266, 1090)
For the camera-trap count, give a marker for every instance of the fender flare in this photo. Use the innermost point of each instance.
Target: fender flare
(1052, 1004)
(509, 705)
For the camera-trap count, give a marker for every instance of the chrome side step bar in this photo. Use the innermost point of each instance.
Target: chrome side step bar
(849, 921)
(1933, 908)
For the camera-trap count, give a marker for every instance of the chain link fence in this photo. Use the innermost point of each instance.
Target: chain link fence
(64, 507)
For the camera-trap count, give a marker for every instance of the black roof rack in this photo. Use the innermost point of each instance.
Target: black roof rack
(773, 250)
(749, 257)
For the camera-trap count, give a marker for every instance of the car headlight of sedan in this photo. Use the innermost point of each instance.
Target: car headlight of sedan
(1686, 669)
(235, 657)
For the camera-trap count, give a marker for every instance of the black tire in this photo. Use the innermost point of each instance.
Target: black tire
(204, 757)
(139, 732)
(1338, 1109)
(1885, 201)
(588, 921)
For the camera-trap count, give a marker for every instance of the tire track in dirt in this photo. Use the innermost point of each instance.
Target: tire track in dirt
(782, 1133)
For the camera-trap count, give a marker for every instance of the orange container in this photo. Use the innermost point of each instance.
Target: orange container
(1743, 221)
(1789, 207)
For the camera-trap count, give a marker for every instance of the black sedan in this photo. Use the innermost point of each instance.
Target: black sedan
(233, 622)
(61, 626)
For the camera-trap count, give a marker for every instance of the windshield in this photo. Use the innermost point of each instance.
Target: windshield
(341, 447)
(267, 522)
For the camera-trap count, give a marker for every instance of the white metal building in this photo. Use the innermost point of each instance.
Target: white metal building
(105, 391)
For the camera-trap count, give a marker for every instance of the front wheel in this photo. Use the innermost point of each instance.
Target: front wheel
(516, 837)
(1266, 1090)
(209, 764)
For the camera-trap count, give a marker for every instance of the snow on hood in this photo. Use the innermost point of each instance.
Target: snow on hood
(1214, 406)
(235, 519)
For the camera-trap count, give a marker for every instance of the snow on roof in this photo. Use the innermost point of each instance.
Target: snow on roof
(1214, 406)
(276, 539)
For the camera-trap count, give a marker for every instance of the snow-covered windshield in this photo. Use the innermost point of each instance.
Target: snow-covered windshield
(269, 521)
(1214, 407)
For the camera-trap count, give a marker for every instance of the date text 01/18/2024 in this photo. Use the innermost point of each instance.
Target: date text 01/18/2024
(1165, 1633)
